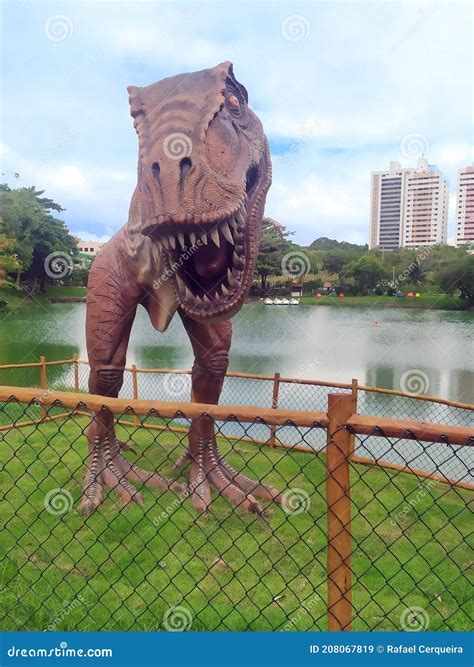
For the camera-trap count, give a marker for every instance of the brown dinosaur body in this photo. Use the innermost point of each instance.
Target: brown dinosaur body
(190, 245)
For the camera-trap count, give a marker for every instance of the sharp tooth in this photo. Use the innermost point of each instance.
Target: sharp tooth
(231, 279)
(226, 232)
(239, 217)
(224, 290)
(192, 238)
(206, 299)
(181, 284)
(188, 293)
(172, 241)
(233, 222)
(181, 239)
(164, 241)
(204, 238)
(215, 237)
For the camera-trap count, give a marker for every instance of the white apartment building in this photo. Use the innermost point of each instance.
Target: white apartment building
(425, 216)
(386, 197)
(409, 207)
(465, 206)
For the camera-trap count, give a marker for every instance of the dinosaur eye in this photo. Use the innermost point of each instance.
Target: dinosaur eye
(233, 103)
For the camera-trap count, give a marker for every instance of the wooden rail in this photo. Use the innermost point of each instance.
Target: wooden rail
(120, 406)
(353, 386)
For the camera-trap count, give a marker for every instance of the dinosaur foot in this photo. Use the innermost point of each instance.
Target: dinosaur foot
(208, 468)
(106, 467)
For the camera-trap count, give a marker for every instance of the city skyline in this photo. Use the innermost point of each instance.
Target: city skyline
(410, 207)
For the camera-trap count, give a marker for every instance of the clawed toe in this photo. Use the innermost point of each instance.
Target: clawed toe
(108, 468)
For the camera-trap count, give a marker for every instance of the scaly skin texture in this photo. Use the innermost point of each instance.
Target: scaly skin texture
(190, 245)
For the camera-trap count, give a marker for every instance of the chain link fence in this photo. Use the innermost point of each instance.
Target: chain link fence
(351, 542)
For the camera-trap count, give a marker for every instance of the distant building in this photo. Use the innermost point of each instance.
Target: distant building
(425, 217)
(87, 251)
(386, 196)
(409, 207)
(465, 206)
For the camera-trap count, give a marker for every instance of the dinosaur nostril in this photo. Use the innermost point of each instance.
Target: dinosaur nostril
(185, 165)
(155, 170)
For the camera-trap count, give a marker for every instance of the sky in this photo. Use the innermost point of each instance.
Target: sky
(341, 88)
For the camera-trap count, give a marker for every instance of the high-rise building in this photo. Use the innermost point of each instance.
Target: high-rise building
(387, 192)
(409, 207)
(465, 206)
(425, 216)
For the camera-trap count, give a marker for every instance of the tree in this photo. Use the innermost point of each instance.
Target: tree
(23, 211)
(36, 234)
(273, 247)
(8, 260)
(459, 275)
(334, 261)
(367, 272)
(52, 240)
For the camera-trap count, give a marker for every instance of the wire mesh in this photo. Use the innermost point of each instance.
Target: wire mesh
(162, 566)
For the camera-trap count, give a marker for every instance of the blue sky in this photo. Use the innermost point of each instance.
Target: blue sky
(341, 88)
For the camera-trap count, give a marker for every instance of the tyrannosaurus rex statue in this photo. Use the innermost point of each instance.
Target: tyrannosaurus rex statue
(190, 245)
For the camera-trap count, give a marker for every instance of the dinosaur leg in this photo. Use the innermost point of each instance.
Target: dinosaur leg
(211, 344)
(112, 302)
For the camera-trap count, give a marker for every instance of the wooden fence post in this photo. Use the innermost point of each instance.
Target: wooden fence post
(276, 391)
(75, 357)
(339, 556)
(43, 382)
(355, 395)
(136, 421)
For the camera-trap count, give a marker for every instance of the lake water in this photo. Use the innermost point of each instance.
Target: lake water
(379, 346)
(330, 343)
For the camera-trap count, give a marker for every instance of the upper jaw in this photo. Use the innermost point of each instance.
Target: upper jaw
(208, 263)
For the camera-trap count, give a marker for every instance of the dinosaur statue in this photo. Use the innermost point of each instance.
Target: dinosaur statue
(190, 245)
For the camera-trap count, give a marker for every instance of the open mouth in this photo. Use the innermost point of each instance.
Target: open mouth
(206, 262)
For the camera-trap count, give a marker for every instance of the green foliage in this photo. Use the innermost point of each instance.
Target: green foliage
(274, 245)
(367, 272)
(32, 230)
(459, 276)
(8, 259)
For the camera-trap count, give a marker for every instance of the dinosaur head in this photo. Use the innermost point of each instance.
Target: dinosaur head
(203, 174)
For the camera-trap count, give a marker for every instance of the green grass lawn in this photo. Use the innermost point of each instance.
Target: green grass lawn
(424, 301)
(65, 291)
(123, 568)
